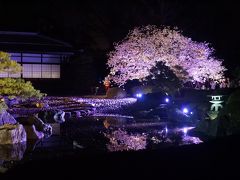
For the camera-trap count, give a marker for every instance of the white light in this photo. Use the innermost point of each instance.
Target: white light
(166, 130)
(138, 95)
(185, 130)
(191, 112)
(167, 100)
(185, 110)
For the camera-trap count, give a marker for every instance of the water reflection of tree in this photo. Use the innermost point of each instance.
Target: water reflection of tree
(120, 140)
(10, 154)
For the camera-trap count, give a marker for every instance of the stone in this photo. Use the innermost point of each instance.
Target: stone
(55, 129)
(77, 114)
(32, 120)
(37, 122)
(59, 116)
(47, 129)
(115, 93)
(12, 152)
(11, 101)
(52, 116)
(32, 133)
(6, 118)
(68, 115)
(12, 134)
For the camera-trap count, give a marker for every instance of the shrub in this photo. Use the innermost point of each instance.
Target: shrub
(12, 87)
(18, 87)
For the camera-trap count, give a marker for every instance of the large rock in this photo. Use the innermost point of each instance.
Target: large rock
(52, 116)
(12, 134)
(37, 122)
(12, 101)
(59, 116)
(6, 118)
(115, 93)
(12, 152)
(32, 133)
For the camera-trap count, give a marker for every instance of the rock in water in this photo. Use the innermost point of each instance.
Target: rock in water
(52, 116)
(35, 127)
(6, 118)
(32, 133)
(34, 120)
(12, 134)
(59, 116)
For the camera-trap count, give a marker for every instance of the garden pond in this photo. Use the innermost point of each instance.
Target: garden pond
(99, 133)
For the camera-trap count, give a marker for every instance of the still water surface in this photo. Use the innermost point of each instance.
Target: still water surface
(102, 133)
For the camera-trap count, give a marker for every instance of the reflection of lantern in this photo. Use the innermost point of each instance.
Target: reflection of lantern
(106, 124)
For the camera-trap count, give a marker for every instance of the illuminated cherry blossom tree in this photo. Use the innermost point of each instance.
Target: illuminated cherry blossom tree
(143, 48)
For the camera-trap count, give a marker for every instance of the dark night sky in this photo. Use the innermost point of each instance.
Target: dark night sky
(95, 25)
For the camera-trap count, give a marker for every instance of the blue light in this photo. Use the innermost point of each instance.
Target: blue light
(167, 100)
(185, 110)
(138, 95)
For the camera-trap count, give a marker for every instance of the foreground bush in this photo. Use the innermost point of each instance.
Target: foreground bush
(13, 87)
(18, 87)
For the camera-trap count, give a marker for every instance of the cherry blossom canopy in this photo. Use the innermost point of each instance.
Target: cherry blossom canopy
(135, 56)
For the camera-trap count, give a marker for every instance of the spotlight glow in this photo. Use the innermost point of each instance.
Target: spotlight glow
(185, 130)
(138, 95)
(167, 100)
(185, 110)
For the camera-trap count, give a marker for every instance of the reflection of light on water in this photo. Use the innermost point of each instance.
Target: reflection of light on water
(184, 130)
(121, 140)
(175, 136)
(166, 129)
(106, 124)
(190, 140)
(112, 115)
(106, 103)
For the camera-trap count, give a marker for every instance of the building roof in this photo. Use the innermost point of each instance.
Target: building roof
(32, 42)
